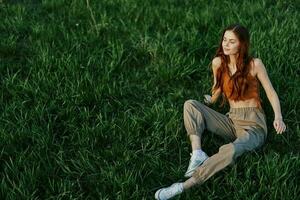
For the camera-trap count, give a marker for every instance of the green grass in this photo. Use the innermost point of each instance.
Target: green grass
(92, 96)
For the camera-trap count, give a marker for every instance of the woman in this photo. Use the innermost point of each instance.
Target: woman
(236, 78)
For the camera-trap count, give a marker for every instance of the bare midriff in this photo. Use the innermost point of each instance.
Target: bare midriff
(245, 103)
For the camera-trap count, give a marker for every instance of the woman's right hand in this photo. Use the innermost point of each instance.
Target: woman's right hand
(207, 99)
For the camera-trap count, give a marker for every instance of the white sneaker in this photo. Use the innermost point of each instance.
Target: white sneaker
(169, 192)
(195, 162)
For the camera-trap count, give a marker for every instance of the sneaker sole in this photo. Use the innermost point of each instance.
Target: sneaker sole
(157, 194)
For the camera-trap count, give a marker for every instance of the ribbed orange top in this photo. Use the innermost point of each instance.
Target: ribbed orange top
(252, 91)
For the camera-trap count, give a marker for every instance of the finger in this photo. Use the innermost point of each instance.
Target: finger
(284, 127)
(276, 129)
(280, 129)
(276, 125)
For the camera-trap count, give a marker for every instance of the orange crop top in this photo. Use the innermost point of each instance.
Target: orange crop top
(251, 92)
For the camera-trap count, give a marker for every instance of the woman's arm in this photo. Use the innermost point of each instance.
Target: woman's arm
(216, 63)
(263, 77)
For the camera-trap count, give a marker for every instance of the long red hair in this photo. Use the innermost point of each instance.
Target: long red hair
(242, 63)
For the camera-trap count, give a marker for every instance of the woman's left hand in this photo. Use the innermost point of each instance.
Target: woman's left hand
(207, 99)
(279, 126)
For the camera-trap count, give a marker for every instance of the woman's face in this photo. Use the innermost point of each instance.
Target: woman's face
(230, 43)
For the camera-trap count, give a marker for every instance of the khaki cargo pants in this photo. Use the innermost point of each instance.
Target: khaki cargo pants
(245, 128)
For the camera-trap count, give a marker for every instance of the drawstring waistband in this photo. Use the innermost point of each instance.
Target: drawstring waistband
(245, 109)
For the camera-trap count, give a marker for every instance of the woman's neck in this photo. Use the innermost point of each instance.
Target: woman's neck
(232, 60)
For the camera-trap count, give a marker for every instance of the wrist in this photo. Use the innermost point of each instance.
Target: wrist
(278, 118)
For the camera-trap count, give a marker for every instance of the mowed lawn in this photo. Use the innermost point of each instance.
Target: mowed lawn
(92, 95)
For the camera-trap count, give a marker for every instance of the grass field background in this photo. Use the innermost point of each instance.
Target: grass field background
(92, 96)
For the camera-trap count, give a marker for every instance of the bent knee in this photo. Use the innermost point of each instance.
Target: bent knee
(191, 103)
(248, 145)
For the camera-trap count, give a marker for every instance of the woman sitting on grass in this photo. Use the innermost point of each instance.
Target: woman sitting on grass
(236, 77)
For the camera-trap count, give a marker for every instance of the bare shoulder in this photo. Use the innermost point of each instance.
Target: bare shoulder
(216, 62)
(258, 66)
(263, 77)
(258, 62)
